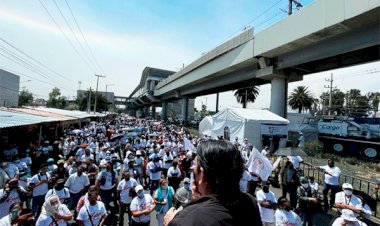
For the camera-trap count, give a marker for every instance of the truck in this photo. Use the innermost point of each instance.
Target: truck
(359, 137)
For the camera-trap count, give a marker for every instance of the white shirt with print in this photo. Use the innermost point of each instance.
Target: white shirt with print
(124, 187)
(138, 204)
(44, 220)
(267, 215)
(96, 212)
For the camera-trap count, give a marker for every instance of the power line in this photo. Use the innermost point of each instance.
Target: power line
(64, 34)
(84, 38)
(35, 60)
(29, 65)
(73, 33)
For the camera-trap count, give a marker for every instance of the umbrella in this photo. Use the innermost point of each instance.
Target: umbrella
(117, 137)
(75, 132)
(132, 135)
(292, 151)
(154, 134)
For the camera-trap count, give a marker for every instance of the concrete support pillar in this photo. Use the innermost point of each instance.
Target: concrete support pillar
(185, 109)
(154, 111)
(164, 111)
(278, 102)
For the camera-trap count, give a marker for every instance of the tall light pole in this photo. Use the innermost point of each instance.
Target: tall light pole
(96, 92)
(107, 97)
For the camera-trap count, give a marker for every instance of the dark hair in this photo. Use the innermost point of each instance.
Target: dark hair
(282, 200)
(222, 165)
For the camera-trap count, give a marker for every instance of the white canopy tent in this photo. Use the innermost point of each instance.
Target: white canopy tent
(250, 123)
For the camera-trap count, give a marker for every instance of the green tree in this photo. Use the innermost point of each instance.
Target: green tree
(337, 103)
(101, 102)
(25, 98)
(301, 99)
(56, 100)
(358, 105)
(72, 106)
(246, 95)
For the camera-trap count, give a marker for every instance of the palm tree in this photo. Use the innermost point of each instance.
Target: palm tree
(301, 99)
(245, 95)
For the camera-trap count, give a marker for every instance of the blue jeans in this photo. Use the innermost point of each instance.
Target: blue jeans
(106, 196)
(334, 190)
(37, 202)
(74, 199)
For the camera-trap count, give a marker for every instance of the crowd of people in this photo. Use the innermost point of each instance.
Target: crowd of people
(96, 175)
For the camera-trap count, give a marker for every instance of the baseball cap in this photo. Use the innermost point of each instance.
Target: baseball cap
(138, 152)
(139, 188)
(182, 195)
(186, 180)
(347, 186)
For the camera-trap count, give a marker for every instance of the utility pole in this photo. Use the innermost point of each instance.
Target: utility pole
(331, 80)
(217, 103)
(89, 101)
(296, 3)
(96, 92)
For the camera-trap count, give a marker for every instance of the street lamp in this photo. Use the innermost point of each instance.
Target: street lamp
(107, 97)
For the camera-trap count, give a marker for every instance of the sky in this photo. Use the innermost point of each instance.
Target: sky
(119, 38)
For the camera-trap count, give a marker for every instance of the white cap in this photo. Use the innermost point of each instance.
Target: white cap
(138, 188)
(347, 186)
(348, 215)
(138, 152)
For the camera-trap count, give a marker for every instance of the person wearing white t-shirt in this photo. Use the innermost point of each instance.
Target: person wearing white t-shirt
(9, 195)
(267, 205)
(139, 165)
(244, 182)
(124, 196)
(346, 200)
(155, 169)
(331, 182)
(174, 176)
(167, 161)
(39, 184)
(106, 182)
(54, 213)
(60, 191)
(284, 215)
(76, 183)
(93, 213)
(141, 207)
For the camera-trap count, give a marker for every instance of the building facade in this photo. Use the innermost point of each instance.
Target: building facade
(9, 89)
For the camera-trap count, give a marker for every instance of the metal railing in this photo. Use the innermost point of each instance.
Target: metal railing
(367, 187)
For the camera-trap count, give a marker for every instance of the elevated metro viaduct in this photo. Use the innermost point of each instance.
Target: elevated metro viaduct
(323, 36)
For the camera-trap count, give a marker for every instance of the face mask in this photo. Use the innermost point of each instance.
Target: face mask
(5, 164)
(305, 185)
(79, 173)
(140, 194)
(104, 170)
(55, 207)
(331, 166)
(127, 178)
(164, 187)
(266, 189)
(14, 213)
(347, 192)
(186, 186)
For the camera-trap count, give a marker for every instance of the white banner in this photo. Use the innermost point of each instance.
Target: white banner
(259, 164)
(275, 164)
(332, 128)
(274, 130)
(188, 145)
